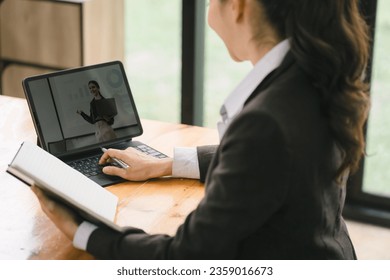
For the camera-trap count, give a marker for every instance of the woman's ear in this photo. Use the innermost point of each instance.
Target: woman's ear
(238, 8)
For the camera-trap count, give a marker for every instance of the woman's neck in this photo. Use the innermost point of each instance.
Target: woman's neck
(259, 50)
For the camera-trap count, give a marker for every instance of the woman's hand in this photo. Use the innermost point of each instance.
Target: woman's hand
(64, 218)
(141, 166)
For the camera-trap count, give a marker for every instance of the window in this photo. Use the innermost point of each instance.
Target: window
(153, 62)
(377, 163)
(153, 57)
(368, 197)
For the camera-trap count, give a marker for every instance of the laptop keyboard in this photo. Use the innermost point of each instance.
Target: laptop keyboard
(90, 166)
(150, 151)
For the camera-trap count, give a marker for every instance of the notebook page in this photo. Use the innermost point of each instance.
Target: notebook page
(51, 173)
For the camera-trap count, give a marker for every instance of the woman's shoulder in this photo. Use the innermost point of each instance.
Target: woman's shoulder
(290, 96)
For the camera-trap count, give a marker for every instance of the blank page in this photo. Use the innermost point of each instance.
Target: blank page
(52, 174)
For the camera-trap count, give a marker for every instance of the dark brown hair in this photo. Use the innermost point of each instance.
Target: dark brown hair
(94, 83)
(97, 85)
(330, 42)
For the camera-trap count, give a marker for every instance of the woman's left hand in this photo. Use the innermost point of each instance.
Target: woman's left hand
(63, 217)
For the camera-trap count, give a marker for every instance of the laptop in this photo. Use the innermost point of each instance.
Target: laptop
(78, 111)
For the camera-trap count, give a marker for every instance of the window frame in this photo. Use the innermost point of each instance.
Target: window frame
(192, 73)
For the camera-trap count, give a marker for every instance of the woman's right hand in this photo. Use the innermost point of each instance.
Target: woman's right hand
(141, 166)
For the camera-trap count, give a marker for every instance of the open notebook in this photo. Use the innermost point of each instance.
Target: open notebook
(33, 165)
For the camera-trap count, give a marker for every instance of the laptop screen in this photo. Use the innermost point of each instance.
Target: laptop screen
(83, 108)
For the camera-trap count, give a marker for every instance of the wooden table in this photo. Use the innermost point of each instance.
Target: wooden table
(157, 206)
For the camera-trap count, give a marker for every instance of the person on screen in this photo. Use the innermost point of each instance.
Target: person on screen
(103, 129)
(291, 133)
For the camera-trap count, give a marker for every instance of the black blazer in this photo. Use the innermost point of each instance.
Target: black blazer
(270, 188)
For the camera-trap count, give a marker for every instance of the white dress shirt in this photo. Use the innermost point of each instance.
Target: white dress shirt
(185, 160)
(236, 100)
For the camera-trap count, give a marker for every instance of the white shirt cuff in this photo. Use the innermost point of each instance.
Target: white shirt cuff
(84, 231)
(185, 163)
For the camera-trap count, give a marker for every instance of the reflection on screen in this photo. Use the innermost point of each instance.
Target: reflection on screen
(79, 109)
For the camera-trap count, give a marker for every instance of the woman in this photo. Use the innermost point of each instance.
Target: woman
(103, 129)
(291, 133)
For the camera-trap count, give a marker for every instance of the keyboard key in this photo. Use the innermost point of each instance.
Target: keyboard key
(88, 166)
(150, 151)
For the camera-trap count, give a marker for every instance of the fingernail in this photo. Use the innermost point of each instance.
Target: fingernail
(50, 206)
(34, 189)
